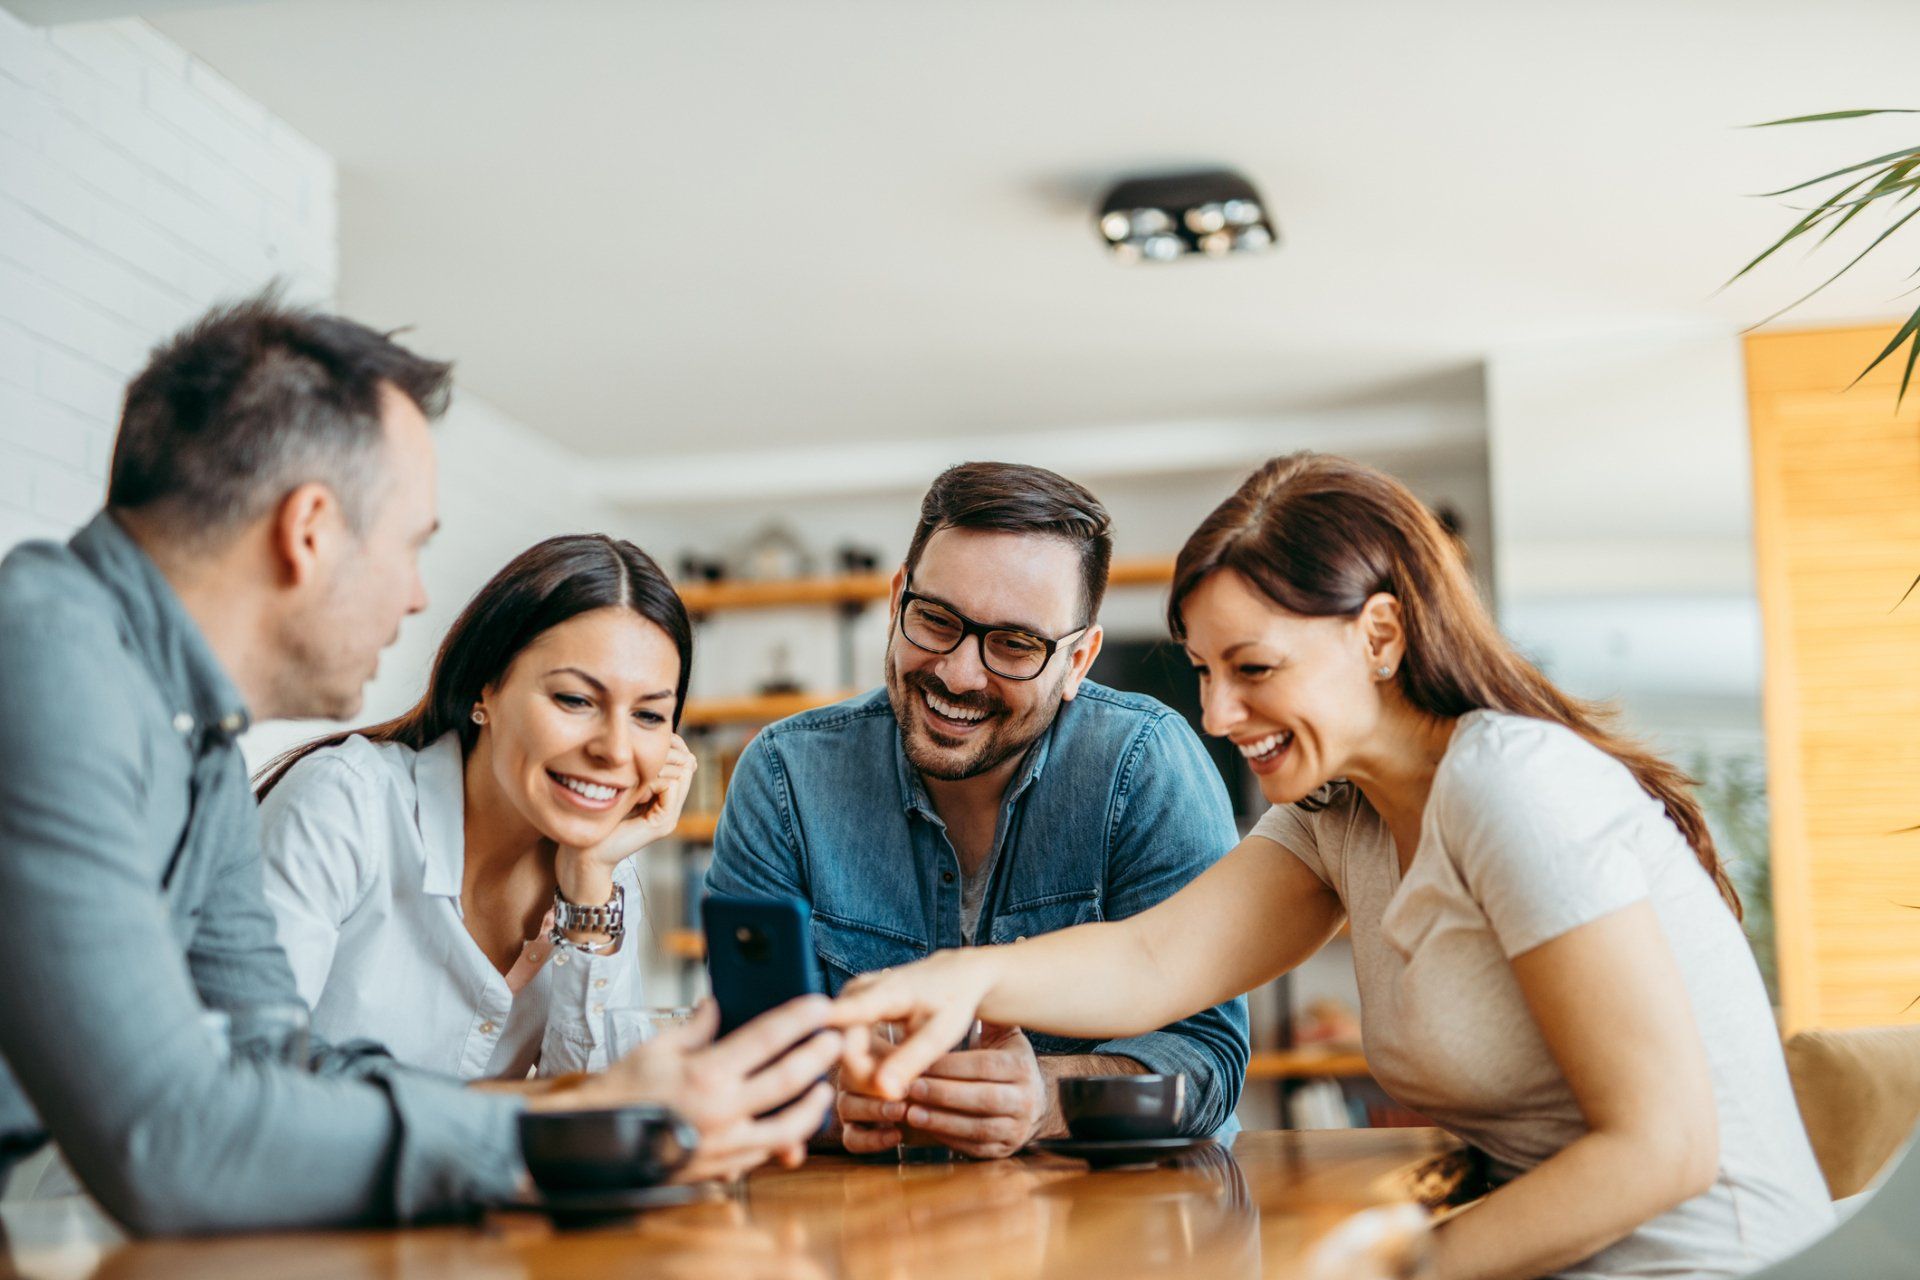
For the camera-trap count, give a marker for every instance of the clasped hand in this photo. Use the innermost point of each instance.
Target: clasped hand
(986, 1102)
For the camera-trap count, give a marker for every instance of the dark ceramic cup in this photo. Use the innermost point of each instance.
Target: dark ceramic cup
(1123, 1108)
(615, 1150)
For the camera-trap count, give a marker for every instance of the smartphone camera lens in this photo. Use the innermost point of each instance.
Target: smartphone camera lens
(753, 944)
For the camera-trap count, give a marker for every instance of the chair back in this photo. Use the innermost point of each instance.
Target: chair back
(1859, 1095)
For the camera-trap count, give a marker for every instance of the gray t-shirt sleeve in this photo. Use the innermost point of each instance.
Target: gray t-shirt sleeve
(1298, 832)
(1544, 829)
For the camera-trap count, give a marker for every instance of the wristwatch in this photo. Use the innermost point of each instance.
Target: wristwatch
(609, 918)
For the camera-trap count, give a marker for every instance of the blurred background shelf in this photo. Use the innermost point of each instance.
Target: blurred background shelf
(865, 588)
(683, 944)
(763, 708)
(1306, 1064)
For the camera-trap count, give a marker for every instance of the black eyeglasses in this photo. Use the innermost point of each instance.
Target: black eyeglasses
(1008, 652)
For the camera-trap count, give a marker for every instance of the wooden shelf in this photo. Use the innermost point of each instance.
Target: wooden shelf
(715, 597)
(1141, 571)
(696, 826)
(684, 944)
(864, 588)
(704, 712)
(1305, 1064)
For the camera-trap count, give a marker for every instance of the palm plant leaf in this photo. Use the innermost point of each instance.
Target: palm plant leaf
(1854, 114)
(1884, 182)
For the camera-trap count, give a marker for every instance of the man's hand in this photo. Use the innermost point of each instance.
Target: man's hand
(986, 1103)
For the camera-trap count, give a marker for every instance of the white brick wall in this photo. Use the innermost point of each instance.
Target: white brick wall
(137, 187)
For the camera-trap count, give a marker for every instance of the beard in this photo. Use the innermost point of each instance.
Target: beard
(323, 674)
(1008, 733)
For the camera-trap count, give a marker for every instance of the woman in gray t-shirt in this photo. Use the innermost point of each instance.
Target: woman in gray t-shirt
(1548, 953)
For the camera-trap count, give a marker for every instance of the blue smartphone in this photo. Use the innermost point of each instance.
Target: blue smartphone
(759, 955)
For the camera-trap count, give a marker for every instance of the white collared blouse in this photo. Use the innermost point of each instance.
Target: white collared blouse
(365, 845)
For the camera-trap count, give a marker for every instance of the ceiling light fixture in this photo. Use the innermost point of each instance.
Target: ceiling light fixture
(1165, 217)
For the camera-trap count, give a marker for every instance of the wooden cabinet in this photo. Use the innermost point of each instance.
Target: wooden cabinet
(1837, 531)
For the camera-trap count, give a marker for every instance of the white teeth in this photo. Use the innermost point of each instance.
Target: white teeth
(1267, 746)
(950, 711)
(591, 790)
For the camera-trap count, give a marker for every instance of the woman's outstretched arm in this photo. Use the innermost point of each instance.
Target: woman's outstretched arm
(1250, 917)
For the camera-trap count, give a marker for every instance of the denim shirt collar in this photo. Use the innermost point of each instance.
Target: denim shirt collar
(168, 640)
(913, 790)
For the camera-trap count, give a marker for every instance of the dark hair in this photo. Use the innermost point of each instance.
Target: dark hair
(540, 588)
(253, 400)
(1019, 499)
(1320, 535)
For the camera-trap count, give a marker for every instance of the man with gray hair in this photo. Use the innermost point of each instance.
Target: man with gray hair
(271, 490)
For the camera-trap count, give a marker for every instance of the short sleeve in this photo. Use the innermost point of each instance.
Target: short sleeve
(754, 852)
(1298, 832)
(1546, 830)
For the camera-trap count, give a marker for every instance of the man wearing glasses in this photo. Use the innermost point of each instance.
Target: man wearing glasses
(989, 792)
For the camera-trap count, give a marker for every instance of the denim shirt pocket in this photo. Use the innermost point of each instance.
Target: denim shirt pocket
(1045, 915)
(848, 949)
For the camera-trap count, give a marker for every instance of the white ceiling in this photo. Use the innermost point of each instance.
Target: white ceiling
(681, 227)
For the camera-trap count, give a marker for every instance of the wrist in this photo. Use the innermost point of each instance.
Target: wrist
(984, 969)
(581, 879)
(1050, 1123)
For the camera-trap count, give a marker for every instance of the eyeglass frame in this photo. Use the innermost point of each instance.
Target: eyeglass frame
(969, 628)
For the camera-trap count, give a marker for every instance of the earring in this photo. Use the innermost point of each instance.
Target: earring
(1383, 672)
(479, 715)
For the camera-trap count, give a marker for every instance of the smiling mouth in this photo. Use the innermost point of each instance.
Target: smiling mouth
(951, 718)
(1267, 750)
(587, 793)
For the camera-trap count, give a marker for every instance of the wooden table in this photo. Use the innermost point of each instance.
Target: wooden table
(1254, 1212)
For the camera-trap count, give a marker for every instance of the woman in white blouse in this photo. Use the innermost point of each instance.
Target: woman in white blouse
(1548, 953)
(457, 883)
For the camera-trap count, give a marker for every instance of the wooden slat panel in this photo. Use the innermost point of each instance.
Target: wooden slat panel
(1837, 524)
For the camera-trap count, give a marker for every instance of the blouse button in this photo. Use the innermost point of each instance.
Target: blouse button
(598, 1007)
(487, 1028)
(561, 958)
(598, 983)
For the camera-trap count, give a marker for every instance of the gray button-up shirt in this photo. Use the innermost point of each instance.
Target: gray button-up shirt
(130, 877)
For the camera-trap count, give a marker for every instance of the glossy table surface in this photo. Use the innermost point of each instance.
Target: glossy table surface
(1258, 1208)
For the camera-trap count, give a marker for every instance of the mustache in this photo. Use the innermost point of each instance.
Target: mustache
(980, 701)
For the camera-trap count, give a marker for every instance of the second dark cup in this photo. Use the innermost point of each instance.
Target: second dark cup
(1123, 1108)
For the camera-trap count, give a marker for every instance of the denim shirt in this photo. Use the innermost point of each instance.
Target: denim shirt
(1114, 808)
(130, 870)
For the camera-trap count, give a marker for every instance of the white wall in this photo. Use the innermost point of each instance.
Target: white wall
(1623, 536)
(136, 188)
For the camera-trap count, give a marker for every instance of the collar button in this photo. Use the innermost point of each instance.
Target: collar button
(183, 723)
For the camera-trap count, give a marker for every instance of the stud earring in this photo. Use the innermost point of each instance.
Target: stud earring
(1383, 672)
(479, 715)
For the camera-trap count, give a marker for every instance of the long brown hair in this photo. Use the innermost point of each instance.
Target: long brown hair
(539, 589)
(1319, 535)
